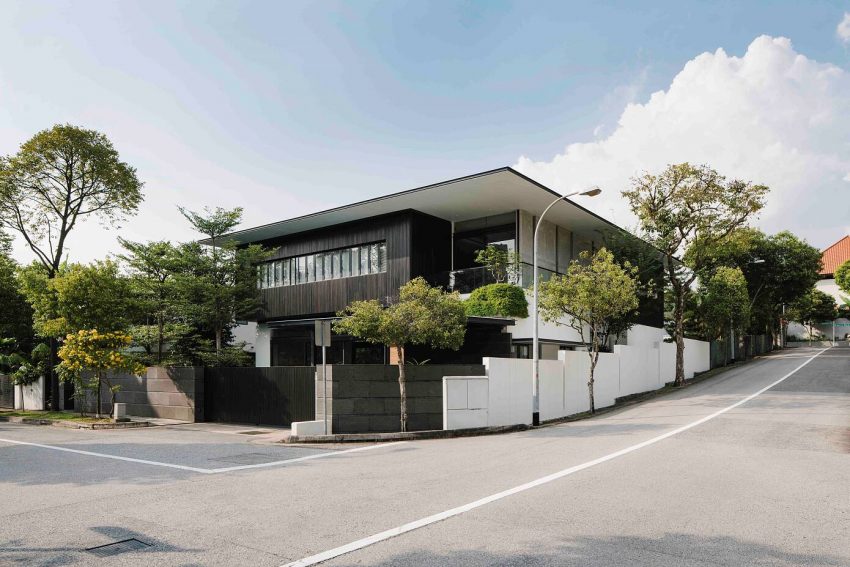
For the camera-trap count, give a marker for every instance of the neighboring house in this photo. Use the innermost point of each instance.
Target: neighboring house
(833, 256)
(323, 261)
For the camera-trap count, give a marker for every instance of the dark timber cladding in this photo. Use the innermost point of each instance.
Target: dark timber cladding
(399, 230)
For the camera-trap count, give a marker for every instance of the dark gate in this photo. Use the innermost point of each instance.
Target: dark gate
(7, 392)
(277, 395)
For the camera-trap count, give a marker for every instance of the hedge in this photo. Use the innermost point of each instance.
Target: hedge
(497, 300)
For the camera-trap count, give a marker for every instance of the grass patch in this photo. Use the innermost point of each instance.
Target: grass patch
(57, 415)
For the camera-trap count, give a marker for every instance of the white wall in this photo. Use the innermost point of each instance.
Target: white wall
(263, 346)
(33, 396)
(246, 333)
(643, 365)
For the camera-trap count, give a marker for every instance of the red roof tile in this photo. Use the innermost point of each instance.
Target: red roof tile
(835, 255)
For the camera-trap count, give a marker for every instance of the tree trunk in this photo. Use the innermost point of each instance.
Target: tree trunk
(160, 325)
(98, 395)
(51, 378)
(218, 333)
(679, 316)
(402, 387)
(590, 392)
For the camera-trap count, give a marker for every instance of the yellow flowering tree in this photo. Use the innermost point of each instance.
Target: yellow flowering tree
(89, 351)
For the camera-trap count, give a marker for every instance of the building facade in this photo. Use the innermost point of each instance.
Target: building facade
(322, 262)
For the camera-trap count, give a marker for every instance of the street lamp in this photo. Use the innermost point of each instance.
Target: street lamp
(535, 389)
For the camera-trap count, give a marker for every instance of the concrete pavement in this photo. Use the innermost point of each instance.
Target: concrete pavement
(763, 484)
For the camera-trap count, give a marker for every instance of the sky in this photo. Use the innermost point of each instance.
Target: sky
(286, 108)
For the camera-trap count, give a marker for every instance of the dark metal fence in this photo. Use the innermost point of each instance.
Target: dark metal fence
(277, 395)
(723, 352)
(7, 392)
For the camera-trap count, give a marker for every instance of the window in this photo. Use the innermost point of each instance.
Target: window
(331, 265)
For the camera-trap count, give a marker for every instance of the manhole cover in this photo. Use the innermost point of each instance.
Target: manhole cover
(248, 459)
(257, 432)
(123, 546)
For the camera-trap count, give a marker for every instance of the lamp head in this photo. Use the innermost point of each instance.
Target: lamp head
(592, 192)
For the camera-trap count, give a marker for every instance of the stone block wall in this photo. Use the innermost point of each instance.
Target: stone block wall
(170, 393)
(364, 398)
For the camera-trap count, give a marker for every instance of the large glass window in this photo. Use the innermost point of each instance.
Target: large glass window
(331, 265)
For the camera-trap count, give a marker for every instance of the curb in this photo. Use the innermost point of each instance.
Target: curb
(406, 436)
(619, 403)
(70, 424)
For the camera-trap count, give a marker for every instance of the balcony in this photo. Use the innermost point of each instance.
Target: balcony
(468, 279)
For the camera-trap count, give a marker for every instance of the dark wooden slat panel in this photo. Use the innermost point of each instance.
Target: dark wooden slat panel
(270, 396)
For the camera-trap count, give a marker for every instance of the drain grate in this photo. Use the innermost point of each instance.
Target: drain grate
(115, 548)
(253, 432)
(248, 458)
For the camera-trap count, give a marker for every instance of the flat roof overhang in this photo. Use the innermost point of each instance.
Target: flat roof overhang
(479, 195)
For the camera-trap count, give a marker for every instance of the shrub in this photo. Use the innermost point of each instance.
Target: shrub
(497, 300)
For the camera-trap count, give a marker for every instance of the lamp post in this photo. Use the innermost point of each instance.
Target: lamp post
(535, 388)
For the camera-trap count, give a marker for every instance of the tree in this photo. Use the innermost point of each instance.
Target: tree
(79, 296)
(423, 315)
(153, 267)
(842, 276)
(15, 312)
(779, 269)
(814, 307)
(650, 274)
(594, 293)
(26, 370)
(503, 264)
(724, 303)
(497, 300)
(682, 205)
(217, 280)
(58, 178)
(97, 353)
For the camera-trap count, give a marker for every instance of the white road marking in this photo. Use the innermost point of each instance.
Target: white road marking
(307, 458)
(428, 520)
(198, 469)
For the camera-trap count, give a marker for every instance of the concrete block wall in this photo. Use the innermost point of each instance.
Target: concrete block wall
(170, 393)
(364, 398)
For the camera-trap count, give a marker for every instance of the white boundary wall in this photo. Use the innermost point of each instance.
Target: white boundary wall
(503, 396)
(32, 396)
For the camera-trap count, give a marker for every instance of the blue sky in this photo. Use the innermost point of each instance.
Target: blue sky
(288, 107)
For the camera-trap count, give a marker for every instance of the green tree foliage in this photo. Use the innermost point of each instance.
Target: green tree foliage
(682, 205)
(497, 300)
(724, 302)
(153, 267)
(842, 276)
(594, 293)
(503, 264)
(812, 308)
(423, 315)
(79, 296)
(779, 269)
(217, 280)
(58, 178)
(90, 351)
(15, 312)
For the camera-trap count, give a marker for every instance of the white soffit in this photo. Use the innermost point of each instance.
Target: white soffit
(484, 194)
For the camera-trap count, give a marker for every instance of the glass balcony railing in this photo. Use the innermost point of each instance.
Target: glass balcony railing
(469, 279)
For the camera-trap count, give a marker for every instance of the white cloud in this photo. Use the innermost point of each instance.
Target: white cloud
(843, 29)
(772, 116)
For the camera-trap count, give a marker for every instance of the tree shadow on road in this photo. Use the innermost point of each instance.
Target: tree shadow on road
(16, 552)
(673, 549)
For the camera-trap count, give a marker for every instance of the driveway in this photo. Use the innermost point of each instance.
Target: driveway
(749, 468)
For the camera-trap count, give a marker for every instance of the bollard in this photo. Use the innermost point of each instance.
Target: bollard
(119, 412)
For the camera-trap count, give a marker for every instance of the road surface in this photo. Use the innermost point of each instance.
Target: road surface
(708, 475)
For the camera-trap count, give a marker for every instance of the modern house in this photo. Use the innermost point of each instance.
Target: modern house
(323, 261)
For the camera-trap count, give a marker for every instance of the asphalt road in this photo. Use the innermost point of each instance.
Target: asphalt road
(671, 481)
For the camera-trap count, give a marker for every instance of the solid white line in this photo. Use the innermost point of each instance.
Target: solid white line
(197, 469)
(300, 459)
(428, 520)
(105, 456)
